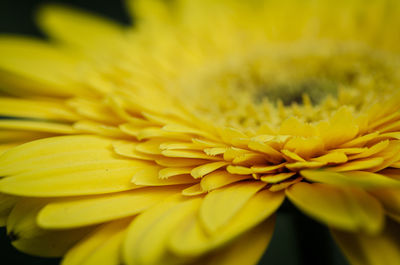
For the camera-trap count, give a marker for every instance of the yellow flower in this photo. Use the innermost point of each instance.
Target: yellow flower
(176, 140)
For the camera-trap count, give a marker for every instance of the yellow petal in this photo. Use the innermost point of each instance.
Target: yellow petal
(341, 128)
(360, 141)
(271, 154)
(362, 179)
(389, 198)
(193, 190)
(240, 170)
(295, 127)
(151, 11)
(390, 155)
(149, 177)
(82, 211)
(285, 184)
(68, 184)
(178, 162)
(205, 169)
(147, 236)
(37, 126)
(363, 249)
(94, 110)
(29, 238)
(40, 109)
(213, 151)
(90, 244)
(51, 146)
(275, 178)
(220, 178)
(151, 147)
(351, 150)
(5, 147)
(219, 206)
(361, 164)
(247, 249)
(59, 163)
(372, 150)
(188, 154)
(166, 173)
(189, 130)
(78, 28)
(304, 164)
(38, 68)
(232, 152)
(344, 208)
(332, 158)
(291, 156)
(108, 253)
(6, 205)
(305, 147)
(92, 127)
(191, 239)
(180, 145)
(11, 135)
(232, 136)
(156, 132)
(128, 149)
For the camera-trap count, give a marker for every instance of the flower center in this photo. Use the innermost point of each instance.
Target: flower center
(267, 88)
(290, 92)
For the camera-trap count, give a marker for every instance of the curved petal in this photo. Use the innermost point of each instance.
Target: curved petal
(147, 236)
(363, 179)
(390, 199)
(363, 249)
(6, 205)
(245, 250)
(219, 206)
(82, 211)
(192, 239)
(345, 208)
(29, 238)
(33, 67)
(100, 246)
(78, 28)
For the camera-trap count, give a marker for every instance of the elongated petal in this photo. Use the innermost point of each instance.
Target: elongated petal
(220, 179)
(147, 237)
(37, 126)
(151, 11)
(37, 67)
(88, 248)
(192, 240)
(149, 176)
(69, 25)
(29, 238)
(245, 250)
(362, 249)
(390, 199)
(68, 184)
(362, 179)
(40, 109)
(49, 147)
(219, 206)
(349, 209)
(205, 169)
(6, 205)
(84, 211)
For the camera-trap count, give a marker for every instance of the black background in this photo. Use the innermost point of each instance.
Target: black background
(297, 240)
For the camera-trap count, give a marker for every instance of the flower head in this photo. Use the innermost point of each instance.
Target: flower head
(176, 140)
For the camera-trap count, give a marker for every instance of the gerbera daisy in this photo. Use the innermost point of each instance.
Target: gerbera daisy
(175, 141)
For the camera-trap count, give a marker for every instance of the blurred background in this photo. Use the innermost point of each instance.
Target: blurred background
(297, 240)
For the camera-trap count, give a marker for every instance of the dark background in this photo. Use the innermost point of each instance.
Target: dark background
(297, 240)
